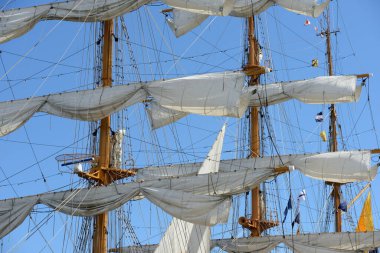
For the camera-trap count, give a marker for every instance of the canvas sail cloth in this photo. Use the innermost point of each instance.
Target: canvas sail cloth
(183, 236)
(219, 94)
(16, 22)
(180, 101)
(317, 243)
(339, 167)
(190, 13)
(215, 94)
(201, 199)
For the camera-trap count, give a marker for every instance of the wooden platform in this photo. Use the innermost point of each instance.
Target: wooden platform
(257, 226)
(114, 173)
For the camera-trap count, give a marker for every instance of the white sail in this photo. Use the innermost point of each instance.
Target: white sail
(339, 167)
(215, 7)
(212, 161)
(202, 199)
(196, 208)
(186, 198)
(184, 21)
(87, 105)
(320, 243)
(216, 94)
(182, 236)
(320, 90)
(189, 14)
(160, 116)
(91, 105)
(16, 22)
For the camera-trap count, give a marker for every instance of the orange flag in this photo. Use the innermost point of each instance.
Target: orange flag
(365, 222)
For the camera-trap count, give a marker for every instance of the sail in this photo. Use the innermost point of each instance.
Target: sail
(320, 90)
(160, 116)
(365, 223)
(320, 243)
(215, 94)
(88, 105)
(16, 22)
(212, 161)
(182, 236)
(201, 199)
(339, 167)
(189, 14)
(92, 105)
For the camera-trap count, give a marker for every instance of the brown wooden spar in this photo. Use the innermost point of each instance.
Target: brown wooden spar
(333, 144)
(256, 224)
(101, 172)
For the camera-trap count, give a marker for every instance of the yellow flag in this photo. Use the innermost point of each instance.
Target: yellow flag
(323, 135)
(365, 222)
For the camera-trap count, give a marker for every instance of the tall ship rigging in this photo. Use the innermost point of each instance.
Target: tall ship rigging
(187, 126)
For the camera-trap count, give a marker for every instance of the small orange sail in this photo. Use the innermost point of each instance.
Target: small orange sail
(365, 222)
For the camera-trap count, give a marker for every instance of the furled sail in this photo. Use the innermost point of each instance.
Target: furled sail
(178, 102)
(201, 199)
(339, 167)
(218, 94)
(215, 94)
(319, 90)
(320, 243)
(88, 105)
(16, 22)
(190, 13)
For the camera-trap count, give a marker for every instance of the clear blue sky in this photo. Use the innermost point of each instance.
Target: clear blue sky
(215, 46)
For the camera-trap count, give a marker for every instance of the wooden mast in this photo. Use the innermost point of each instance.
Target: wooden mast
(102, 172)
(333, 144)
(257, 224)
(253, 60)
(101, 220)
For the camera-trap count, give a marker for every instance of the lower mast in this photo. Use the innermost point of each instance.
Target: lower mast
(101, 220)
(102, 172)
(257, 224)
(333, 144)
(254, 123)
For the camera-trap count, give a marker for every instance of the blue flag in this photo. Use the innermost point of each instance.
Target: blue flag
(288, 206)
(297, 219)
(319, 117)
(343, 206)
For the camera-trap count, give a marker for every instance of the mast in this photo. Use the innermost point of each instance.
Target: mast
(333, 144)
(101, 220)
(102, 172)
(253, 60)
(257, 224)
